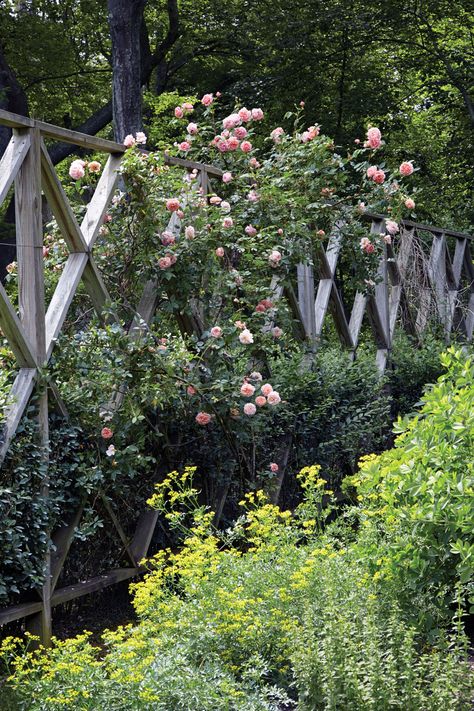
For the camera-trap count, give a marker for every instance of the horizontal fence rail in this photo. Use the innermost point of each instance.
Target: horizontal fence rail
(443, 275)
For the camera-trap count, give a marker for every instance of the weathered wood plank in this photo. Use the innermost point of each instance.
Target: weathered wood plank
(357, 316)
(12, 159)
(59, 204)
(17, 612)
(95, 286)
(7, 118)
(96, 209)
(84, 140)
(62, 540)
(118, 528)
(18, 399)
(10, 324)
(141, 540)
(185, 163)
(71, 592)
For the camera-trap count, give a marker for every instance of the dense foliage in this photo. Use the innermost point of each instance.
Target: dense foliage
(286, 609)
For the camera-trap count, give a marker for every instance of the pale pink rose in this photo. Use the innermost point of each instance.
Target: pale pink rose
(187, 107)
(274, 467)
(279, 231)
(240, 325)
(129, 141)
(184, 146)
(313, 131)
(172, 204)
(245, 337)
(225, 206)
(267, 389)
(253, 163)
(391, 226)
(361, 207)
(406, 168)
(223, 146)
(189, 232)
(107, 217)
(225, 133)
(277, 332)
(371, 170)
(167, 238)
(192, 128)
(140, 137)
(231, 121)
(255, 376)
(178, 112)
(274, 258)
(94, 166)
(220, 251)
(374, 137)
(250, 409)
(305, 137)
(245, 114)
(260, 308)
(203, 418)
(247, 390)
(257, 114)
(273, 398)
(276, 134)
(180, 214)
(246, 146)
(227, 222)
(260, 401)
(164, 262)
(379, 177)
(190, 390)
(106, 433)
(172, 257)
(207, 99)
(387, 239)
(357, 141)
(240, 132)
(76, 169)
(110, 451)
(253, 196)
(216, 331)
(233, 143)
(215, 200)
(45, 251)
(250, 231)
(226, 177)
(410, 204)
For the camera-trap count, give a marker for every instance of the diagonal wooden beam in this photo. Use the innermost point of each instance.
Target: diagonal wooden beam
(62, 540)
(118, 528)
(59, 204)
(19, 396)
(14, 332)
(97, 207)
(12, 159)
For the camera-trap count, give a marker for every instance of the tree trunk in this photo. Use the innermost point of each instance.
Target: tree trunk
(125, 22)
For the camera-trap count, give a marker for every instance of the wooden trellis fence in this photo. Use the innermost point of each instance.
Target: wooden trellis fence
(33, 328)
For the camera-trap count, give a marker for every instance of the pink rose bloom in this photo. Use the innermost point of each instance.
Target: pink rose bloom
(391, 226)
(361, 207)
(371, 170)
(223, 146)
(216, 332)
(274, 258)
(225, 206)
(406, 168)
(220, 251)
(246, 146)
(188, 108)
(267, 389)
(226, 177)
(379, 177)
(190, 390)
(247, 390)
(178, 112)
(94, 166)
(207, 99)
(180, 214)
(172, 204)
(167, 238)
(277, 332)
(231, 121)
(250, 231)
(260, 401)
(255, 375)
(253, 196)
(240, 132)
(233, 143)
(227, 222)
(129, 141)
(192, 128)
(45, 251)
(257, 114)
(280, 231)
(245, 337)
(106, 433)
(110, 451)
(274, 467)
(215, 200)
(172, 258)
(164, 262)
(189, 232)
(253, 163)
(276, 134)
(250, 409)
(225, 133)
(313, 131)
(184, 146)
(76, 169)
(203, 418)
(107, 217)
(387, 239)
(374, 138)
(240, 325)
(260, 308)
(273, 398)
(140, 137)
(410, 204)
(245, 114)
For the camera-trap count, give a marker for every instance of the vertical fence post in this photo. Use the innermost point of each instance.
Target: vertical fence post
(31, 303)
